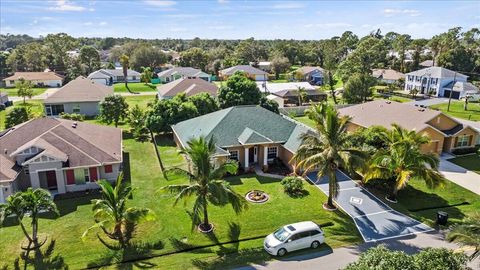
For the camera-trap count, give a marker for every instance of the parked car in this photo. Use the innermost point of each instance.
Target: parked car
(472, 97)
(294, 237)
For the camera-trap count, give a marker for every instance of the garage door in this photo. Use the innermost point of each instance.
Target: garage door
(455, 94)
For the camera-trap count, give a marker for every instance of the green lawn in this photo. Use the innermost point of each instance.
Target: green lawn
(172, 229)
(305, 120)
(456, 110)
(134, 87)
(470, 162)
(12, 92)
(35, 108)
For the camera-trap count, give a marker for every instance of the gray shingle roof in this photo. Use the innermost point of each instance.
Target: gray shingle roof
(112, 72)
(308, 69)
(80, 90)
(188, 86)
(244, 68)
(183, 71)
(240, 125)
(436, 72)
(462, 87)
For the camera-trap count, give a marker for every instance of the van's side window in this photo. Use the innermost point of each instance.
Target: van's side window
(314, 232)
(304, 234)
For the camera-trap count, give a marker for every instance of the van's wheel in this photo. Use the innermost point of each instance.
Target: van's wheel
(281, 252)
(315, 244)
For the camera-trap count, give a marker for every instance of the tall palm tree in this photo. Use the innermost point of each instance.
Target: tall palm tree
(467, 234)
(302, 95)
(328, 149)
(404, 160)
(30, 202)
(112, 215)
(125, 61)
(205, 184)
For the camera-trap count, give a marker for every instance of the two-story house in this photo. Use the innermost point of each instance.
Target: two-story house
(434, 81)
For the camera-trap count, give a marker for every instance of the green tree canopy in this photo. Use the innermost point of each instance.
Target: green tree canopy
(167, 112)
(204, 103)
(113, 109)
(90, 57)
(147, 56)
(194, 57)
(239, 90)
(358, 88)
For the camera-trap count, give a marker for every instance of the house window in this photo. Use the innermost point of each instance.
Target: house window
(76, 108)
(108, 168)
(80, 177)
(272, 152)
(86, 172)
(463, 141)
(12, 82)
(26, 170)
(234, 155)
(134, 78)
(120, 78)
(54, 109)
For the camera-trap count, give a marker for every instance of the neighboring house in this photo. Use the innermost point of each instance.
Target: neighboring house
(426, 63)
(433, 81)
(289, 92)
(111, 76)
(59, 155)
(387, 75)
(176, 73)
(251, 135)
(39, 79)
(188, 86)
(446, 133)
(81, 96)
(313, 75)
(263, 65)
(252, 72)
(462, 88)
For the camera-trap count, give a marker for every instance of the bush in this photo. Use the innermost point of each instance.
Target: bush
(16, 116)
(292, 185)
(465, 151)
(381, 258)
(72, 116)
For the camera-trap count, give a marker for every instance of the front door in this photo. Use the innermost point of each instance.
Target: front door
(51, 179)
(253, 154)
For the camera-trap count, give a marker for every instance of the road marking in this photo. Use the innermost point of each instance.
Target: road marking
(375, 213)
(349, 188)
(356, 200)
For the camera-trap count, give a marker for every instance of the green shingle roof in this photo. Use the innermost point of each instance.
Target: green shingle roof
(240, 125)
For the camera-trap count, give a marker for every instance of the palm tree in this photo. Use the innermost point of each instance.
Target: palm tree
(328, 149)
(205, 183)
(403, 160)
(112, 215)
(30, 202)
(146, 75)
(467, 234)
(302, 95)
(125, 61)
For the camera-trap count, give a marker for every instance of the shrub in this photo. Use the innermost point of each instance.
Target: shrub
(292, 185)
(465, 151)
(72, 116)
(16, 116)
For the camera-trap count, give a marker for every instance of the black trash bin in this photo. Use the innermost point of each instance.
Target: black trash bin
(442, 218)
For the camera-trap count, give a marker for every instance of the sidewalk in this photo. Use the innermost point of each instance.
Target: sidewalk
(459, 175)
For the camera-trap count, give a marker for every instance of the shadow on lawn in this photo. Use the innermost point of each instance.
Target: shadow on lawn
(165, 140)
(39, 259)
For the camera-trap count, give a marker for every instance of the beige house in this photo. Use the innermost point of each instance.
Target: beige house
(59, 155)
(387, 75)
(251, 72)
(39, 79)
(81, 96)
(251, 135)
(446, 133)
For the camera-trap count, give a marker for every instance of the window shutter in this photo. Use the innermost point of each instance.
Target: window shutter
(455, 141)
(93, 174)
(470, 139)
(70, 177)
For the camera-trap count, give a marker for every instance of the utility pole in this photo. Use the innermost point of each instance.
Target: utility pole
(451, 91)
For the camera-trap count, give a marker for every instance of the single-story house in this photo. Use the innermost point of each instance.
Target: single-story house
(434, 81)
(188, 86)
(462, 88)
(263, 65)
(289, 92)
(249, 134)
(446, 133)
(252, 72)
(59, 155)
(313, 75)
(82, 96)
(176, 73)
(387, 75)
(426, 63)
(39, 79)
(111, 76)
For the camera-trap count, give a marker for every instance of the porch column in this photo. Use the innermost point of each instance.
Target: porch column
(265, 155)
(246, 158)
(34, 180)
(60, 182)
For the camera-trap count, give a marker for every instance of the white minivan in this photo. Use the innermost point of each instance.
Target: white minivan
(294, 237)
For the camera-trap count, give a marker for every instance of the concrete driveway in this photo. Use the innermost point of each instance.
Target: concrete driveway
(459, 175)
(374, 219)
(429, 102)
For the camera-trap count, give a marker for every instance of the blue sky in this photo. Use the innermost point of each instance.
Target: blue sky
(232, 19)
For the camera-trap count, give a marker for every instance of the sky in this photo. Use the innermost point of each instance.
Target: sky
(234, 19)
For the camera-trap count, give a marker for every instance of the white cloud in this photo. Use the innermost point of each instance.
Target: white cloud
(222, 1)
(158, 3)
(65, 5)
(103, 23)
(182, 16)
(288, 5)
(87, 23)
(91, 9)
(389, 12)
